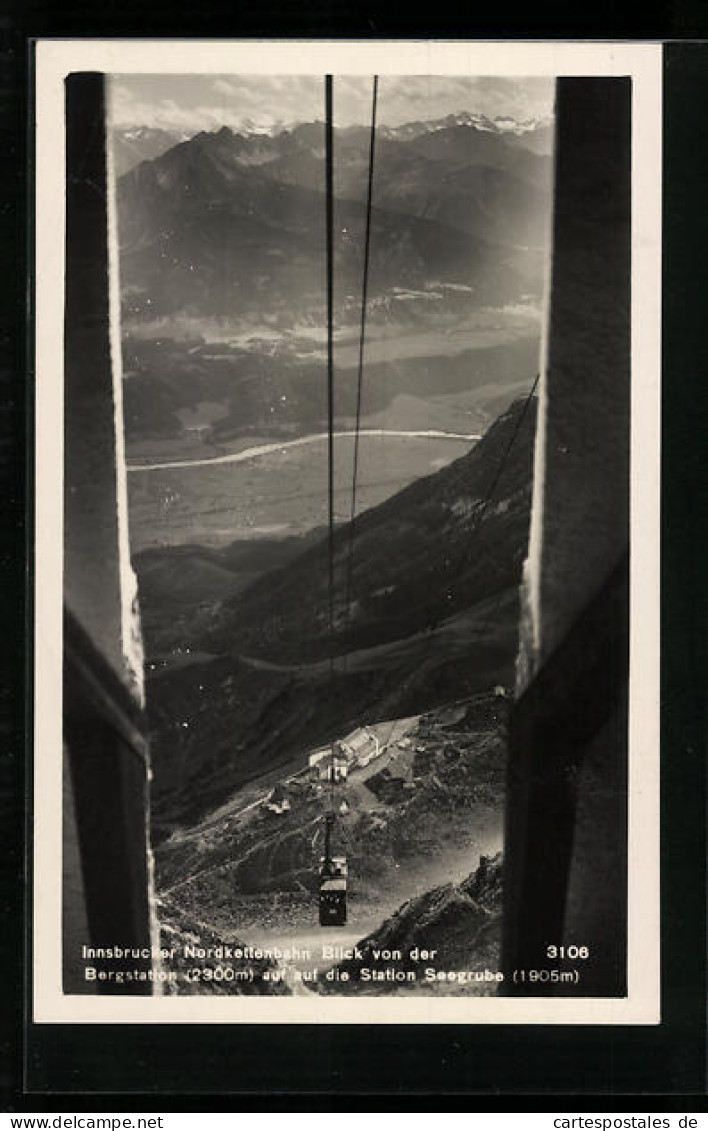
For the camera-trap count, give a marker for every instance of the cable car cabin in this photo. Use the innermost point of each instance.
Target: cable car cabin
(333, 891)
(333, 902)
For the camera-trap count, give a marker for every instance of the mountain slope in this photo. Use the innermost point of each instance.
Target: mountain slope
(134, 144)
(436, 573)
(252, 244)
(463, 145)
(421, 556)
(480, 185)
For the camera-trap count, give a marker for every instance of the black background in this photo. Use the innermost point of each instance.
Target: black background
(158, 1068)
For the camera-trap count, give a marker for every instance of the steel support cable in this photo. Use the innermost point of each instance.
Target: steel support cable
(505, 456)
(491, 616)
(362, 338)
(329, 210)
(492, 488)
(329, 171)
(512, 439)
(494, 482)
(329, 196)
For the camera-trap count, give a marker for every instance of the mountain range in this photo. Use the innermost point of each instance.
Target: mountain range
(226, 222)
(223, 273)
(133, 144)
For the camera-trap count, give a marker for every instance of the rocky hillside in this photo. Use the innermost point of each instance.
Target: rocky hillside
(179, 931)
(431, 795)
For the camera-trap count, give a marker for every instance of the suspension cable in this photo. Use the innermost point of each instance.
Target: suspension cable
(329, 196)
(487, 620)
(495, 481)
(507, 452)
(362, 336)
(496, 478)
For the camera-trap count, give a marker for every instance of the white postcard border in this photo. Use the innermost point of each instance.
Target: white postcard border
(643, 62)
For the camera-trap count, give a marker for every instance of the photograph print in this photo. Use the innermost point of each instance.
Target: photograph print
(348, 398)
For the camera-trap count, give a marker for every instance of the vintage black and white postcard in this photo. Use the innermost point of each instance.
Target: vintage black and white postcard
(347, 624)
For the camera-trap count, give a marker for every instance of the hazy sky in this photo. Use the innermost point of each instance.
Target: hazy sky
(206, 102)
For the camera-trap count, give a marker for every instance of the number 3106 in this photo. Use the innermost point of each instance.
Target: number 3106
(567, 951)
